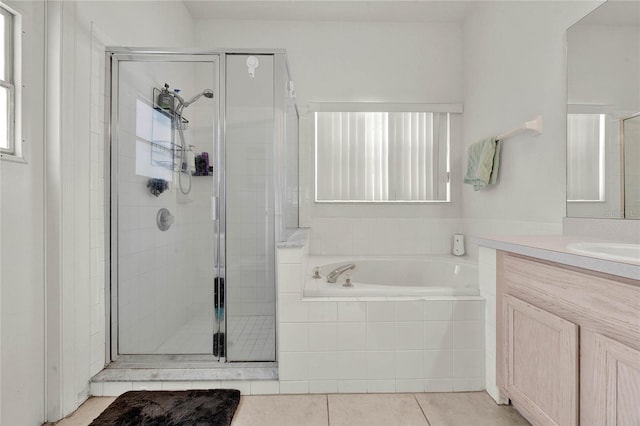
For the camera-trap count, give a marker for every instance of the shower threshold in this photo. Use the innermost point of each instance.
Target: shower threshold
(151, 368)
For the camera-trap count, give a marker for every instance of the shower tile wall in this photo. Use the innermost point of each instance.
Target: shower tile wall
(164, 278)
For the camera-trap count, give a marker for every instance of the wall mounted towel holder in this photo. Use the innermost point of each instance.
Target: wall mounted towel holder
(534, 126)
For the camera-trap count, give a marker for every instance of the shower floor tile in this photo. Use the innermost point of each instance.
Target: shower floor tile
(251, 338)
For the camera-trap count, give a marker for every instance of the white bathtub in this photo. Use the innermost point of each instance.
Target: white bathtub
(399, 276)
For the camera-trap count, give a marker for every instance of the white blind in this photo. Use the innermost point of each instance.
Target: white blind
(585, 157)
(381, 156)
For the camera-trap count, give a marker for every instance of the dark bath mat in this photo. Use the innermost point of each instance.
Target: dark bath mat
(213, 407)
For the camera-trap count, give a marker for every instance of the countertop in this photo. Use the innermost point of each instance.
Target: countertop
(554, 249)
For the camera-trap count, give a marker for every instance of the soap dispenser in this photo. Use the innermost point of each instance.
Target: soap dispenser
(458, 245)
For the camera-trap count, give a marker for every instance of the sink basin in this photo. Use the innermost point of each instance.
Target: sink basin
(614, 251)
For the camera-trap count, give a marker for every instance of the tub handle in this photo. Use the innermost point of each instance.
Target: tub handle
(347, 282)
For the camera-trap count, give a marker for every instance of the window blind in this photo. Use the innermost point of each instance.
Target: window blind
(381, 156)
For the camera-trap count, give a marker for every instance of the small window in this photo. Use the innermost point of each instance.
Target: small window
(8, 102)
(382, 156)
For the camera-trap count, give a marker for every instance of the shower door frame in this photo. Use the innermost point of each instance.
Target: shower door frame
(115, 55)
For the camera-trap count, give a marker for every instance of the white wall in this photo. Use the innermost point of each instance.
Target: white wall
(76, 290)
(515, 69)
(361, 62)
(22, 248)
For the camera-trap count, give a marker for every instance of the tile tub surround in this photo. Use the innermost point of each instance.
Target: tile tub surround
(373, 345)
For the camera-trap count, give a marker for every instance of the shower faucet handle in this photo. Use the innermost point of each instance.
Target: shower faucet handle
(164, 219)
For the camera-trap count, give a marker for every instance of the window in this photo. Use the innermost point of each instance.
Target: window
(382, 156)
(8, 97)
(154, 142)
(585, 157)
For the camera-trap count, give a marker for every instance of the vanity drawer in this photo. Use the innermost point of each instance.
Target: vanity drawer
(606, 304)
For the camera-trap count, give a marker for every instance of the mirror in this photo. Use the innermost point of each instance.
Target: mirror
(631, 134)
(603, 121)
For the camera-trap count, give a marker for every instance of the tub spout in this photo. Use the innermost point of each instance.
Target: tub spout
(333, 276)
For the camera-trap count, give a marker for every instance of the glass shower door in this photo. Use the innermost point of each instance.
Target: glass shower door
(165, 236)
(250, 212)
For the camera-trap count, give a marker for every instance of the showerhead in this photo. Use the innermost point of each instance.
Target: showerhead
(207, 93)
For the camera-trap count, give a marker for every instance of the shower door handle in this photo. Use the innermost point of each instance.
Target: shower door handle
(214, 207)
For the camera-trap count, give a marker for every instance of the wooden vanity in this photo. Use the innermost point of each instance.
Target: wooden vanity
(568, 342)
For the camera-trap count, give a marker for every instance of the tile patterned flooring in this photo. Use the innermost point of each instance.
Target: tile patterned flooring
(430, 409)
(250, 338)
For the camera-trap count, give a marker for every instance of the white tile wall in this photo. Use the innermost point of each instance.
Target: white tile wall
(351, 365)
(323, 336)
(352, 336)
(293, 386)
(376, 345)
(323, 311)
(396, 235)
(352, 386)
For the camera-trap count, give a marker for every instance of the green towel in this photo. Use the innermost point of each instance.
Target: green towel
(483, 163)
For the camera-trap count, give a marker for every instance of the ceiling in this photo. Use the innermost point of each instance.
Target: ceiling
(614, 12)
(331, 10)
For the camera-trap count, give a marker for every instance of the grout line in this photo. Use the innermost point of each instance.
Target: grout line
(328, 412)
(421, 409)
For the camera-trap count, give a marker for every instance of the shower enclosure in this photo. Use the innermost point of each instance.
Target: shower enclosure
(204, 169)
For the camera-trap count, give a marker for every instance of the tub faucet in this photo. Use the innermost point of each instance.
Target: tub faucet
(333, 276)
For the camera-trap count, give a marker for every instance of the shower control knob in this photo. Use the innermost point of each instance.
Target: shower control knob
(164, 219)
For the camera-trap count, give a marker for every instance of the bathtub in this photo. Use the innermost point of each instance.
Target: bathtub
(398, 276)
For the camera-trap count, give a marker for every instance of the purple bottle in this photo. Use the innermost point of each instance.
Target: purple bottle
(205, 157)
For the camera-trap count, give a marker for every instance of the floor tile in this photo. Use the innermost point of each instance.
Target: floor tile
(282, 410)
(466, 409)
(379, 409)
(87, 411)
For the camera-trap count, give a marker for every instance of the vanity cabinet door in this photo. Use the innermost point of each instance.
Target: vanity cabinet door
(609, 381)
(541, 351)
